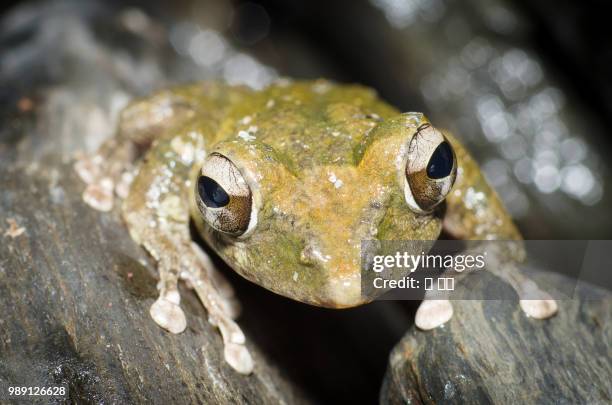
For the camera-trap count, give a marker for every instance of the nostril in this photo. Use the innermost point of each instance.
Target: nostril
(311, 255)
(306, 257)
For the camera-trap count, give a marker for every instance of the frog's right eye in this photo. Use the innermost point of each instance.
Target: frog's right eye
(224, 197)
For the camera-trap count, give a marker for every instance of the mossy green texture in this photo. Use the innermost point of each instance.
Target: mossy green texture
(325, 164)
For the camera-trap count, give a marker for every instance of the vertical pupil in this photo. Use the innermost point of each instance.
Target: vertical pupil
(441, 162)
(211, 193)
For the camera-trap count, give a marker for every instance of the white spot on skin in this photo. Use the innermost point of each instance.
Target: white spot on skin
(270, 103)
(317, 253)
(185, 150)
(295, 276)
(321, 87)
(399, 160)
(473, 198)
(246, 120)
(336, 181)
(246, 136)
(172, 207)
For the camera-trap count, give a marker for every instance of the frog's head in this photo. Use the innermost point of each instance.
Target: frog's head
(297, 229)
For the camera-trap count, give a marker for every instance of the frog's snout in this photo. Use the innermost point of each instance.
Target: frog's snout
(340, 264)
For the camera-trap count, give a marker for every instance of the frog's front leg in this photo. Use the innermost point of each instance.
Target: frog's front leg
(436, 309)
(505, 258)
(474, 212)
(108, 170)
(156, 211)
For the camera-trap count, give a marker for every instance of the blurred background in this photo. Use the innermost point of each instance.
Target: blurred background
(526, 85)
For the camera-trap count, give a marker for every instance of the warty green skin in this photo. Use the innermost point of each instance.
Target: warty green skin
(325, 164)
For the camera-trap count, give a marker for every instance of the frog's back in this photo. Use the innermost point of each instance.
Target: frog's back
(307, 123)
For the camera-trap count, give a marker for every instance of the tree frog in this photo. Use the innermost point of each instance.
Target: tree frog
(284, 184)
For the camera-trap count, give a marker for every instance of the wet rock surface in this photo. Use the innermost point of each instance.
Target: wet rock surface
(75, 297)
(491, 353)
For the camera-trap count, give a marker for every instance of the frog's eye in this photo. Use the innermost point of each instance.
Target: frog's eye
(431, 169)
(224, 197)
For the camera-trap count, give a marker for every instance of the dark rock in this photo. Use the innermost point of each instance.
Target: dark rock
(491, 353)
(75, 293)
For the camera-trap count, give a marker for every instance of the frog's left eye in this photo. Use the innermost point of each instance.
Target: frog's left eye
(224, 197)
(431, 169)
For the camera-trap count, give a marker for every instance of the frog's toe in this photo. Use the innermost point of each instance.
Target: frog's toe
(539, 309)
(122, 188)
(168, 315)
(433, 313)
(239, 358)
(235, 352)
(99, 195)
(88, 168)
(534, 302)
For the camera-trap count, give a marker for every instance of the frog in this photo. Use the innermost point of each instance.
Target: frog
(283, 184)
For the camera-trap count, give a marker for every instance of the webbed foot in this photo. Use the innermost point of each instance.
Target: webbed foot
(215, 293)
